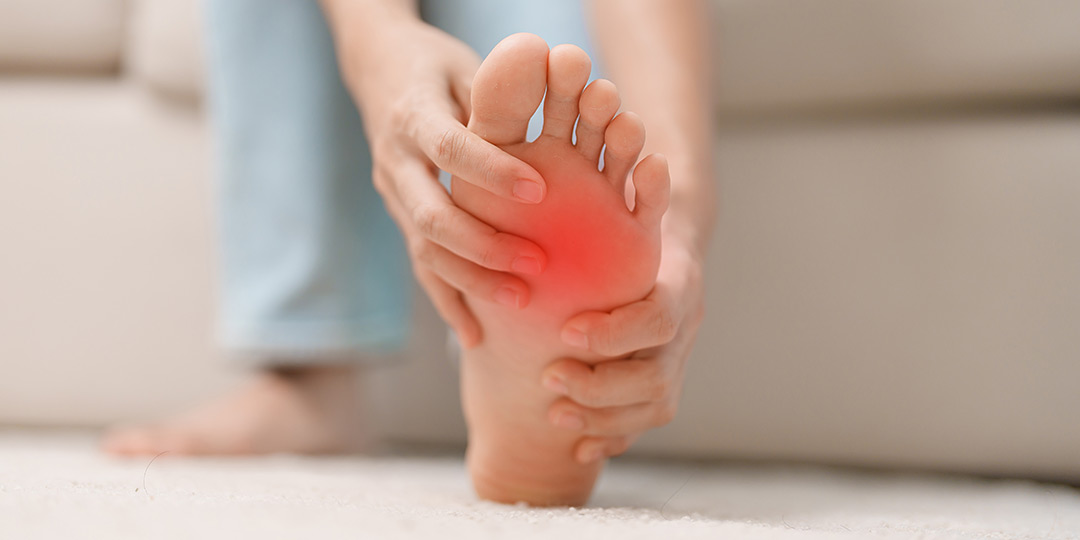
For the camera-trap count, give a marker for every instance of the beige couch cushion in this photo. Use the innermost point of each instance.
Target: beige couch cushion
(901, 293)
(166, 50)
(106, 297)
(780, 55)
(80, 35)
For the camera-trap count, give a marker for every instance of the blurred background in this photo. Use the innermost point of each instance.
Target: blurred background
(895, 279)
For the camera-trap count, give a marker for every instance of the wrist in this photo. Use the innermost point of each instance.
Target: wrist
(691, 212)
(688, 222)
(364, 32)
(367, 17)
(682, 269)
(681, 239)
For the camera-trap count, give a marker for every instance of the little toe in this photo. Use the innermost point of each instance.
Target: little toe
(567, 72)
(625, 137)
(508, 88)
(599, 103)
(652, 189)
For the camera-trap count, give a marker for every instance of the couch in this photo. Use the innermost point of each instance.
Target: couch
(894, 281)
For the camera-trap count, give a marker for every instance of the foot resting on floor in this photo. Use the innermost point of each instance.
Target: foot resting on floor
(301, 410)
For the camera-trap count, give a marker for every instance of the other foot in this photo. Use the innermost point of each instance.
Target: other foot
(306, 410)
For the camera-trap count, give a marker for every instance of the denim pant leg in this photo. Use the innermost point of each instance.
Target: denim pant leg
(312, 266)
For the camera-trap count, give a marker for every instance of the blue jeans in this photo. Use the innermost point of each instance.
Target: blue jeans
(312, 266)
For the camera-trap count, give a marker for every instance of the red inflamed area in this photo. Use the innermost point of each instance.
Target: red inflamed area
(589, 251)
(599, 256)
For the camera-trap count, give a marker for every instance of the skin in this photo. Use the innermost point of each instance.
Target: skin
(601, 255)
(412, 83)
(657, 53)
(415, 105)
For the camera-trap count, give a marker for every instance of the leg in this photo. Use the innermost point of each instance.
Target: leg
(601, 254)
(312, 267)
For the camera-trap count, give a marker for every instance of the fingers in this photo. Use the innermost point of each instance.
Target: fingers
(590, 449)
(615, 401)
(611, 402)
(611, 431)
(461, 84)
(430, 211)
(652, 189)
(451, 308)
(461, 91)
(447, 300)
(648, 323)
(499, 115)
(474, 280)
(471, 239)
(608, 384)
(611, 421)
(462, 153)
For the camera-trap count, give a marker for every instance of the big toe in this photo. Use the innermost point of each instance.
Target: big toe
(508, 88)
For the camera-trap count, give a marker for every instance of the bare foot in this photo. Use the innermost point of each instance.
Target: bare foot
(304, 410)
(600, 255)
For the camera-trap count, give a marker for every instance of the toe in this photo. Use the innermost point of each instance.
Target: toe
(599, 102)
(117, 441)
(651, 189)
(508, 88)
(625, 137)
(568, 71)
(128, 442)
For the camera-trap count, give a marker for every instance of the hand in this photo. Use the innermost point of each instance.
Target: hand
(412, 83)
(615, 401)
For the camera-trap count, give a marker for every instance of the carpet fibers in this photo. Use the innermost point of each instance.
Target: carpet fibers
(56, 485)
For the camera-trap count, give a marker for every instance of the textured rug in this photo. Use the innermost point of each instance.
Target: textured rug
(55, 485)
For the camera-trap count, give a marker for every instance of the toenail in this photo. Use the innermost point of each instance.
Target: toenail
(528, 191)
(556, 384)
(575, 337)
(570, 420)
(526, 265)
(507, 297)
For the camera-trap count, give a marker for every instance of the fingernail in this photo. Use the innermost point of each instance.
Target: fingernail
(526, 265)
(556, 384)
(507, 297)
(528, 191)
(575, 337)
(570, 420)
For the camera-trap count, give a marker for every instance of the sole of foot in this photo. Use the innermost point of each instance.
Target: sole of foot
(601, 235)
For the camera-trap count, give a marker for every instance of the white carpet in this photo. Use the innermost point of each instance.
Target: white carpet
(55, 485)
